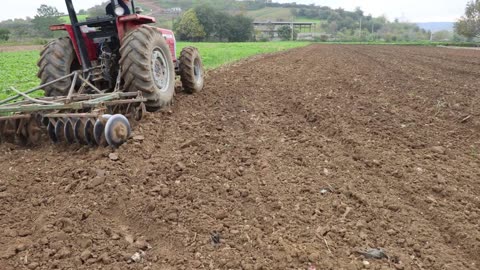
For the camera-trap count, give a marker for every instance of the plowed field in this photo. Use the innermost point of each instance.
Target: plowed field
(292, 160)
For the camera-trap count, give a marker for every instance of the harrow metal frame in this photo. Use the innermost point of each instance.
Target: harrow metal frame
(22, 108)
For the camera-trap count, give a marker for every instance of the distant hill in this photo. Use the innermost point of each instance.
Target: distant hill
(278, 14)
(436, 26)
(270, 14)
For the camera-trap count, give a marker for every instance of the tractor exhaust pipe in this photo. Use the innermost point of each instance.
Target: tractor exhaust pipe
(82, 48)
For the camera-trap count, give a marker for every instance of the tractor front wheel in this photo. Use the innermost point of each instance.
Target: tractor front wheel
(147, 66)
(57, 59)
(191, 70)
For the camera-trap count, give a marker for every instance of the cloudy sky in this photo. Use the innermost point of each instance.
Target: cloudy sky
(406, 10)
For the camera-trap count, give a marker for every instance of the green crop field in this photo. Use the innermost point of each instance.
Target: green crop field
(217, 54)
(18, 69)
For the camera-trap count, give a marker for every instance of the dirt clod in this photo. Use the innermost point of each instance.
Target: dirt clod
(113, 156)
(129, 239)
(97, 181)
(8, 253)
(85, 255)
(439, 149)
(139, 138)
(142, 244)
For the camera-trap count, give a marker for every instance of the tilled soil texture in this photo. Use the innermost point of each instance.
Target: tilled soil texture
(301, 159)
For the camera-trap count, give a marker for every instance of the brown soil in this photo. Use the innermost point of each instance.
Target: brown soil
(20, 48)
(233, 178)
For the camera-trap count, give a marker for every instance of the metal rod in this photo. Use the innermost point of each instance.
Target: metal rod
(30, 98)
(39, 108)
(133, 7)
(91, 85)
(82, 48)
(126, 101)
(103, 99)
(63, 115)
(77, 98)
(36, 88)
(18, 116)
(119, 79)
(72, 87)
(82, 87)
(17, 103)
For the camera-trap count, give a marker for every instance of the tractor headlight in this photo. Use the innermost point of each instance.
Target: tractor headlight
(119, 11)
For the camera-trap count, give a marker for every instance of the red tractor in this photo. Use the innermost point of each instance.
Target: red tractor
(119, 52)
(107, 72)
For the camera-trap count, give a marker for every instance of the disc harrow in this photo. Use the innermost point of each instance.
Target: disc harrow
(98, 118)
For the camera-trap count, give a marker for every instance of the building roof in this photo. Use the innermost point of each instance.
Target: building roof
(284, 23)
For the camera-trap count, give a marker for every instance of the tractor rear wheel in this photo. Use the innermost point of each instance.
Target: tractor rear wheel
(191, 70)
(147, 66)
(57, 59)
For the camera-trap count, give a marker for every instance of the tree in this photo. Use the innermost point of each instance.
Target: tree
(189, 27)
(285, 33)
(332, 28)
(97, 10)
(222, 29)
(358, 13)
(4, 34)
(47, 11)
(294, 12)
(469, 24)
(19, 28)
(240, 28)
(208, 18)
(443, 35)
(221, 26)
(46, 16)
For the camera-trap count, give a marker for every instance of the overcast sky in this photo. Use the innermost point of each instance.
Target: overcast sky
(406, 10)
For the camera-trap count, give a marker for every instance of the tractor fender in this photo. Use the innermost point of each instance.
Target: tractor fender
(128, 23)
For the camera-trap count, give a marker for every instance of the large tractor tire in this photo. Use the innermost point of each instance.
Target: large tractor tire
(191, 70)
(147, 66)
(57, 59)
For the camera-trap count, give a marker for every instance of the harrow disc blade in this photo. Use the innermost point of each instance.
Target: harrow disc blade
(69, 132)
(60, 130)
(88, 131)
(139, 112)
(39, 120)
(45, 121)
(98, 130)
(9, 129)
(2, 124)
(21, 139)
(51, 132)
(21, 135)
(117, 130)
(33, 131)
(79, 131)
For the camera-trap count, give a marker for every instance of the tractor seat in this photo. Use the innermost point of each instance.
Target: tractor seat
(99, 21)
(100, 29)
